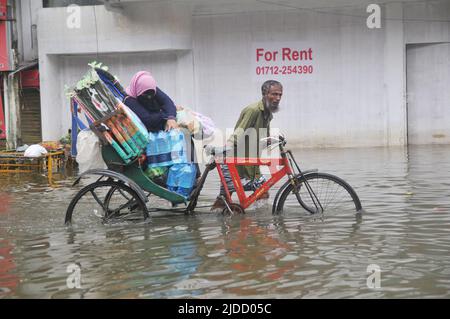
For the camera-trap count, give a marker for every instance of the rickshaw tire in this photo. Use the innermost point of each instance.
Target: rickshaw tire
(87, 188)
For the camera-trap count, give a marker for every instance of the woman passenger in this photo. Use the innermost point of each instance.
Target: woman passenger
(155, 108)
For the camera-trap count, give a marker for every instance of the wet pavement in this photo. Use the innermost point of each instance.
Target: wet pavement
(404, 231)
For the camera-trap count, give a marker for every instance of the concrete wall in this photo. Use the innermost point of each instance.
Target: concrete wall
(357, 96)
(27, 26)
(142, 27)
(162, 65)
(354, 99)
(428, 93)
(155, 37)
(427, 34)
(427, 22)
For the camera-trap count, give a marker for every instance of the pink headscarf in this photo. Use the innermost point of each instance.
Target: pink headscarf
(141, 82)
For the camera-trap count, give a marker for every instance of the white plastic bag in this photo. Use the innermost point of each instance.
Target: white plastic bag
(35, 150)
(199, 125)
(186, 119)
(208, 126)
(89, 151)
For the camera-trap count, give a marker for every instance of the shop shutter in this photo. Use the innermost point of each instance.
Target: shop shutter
(30, 116)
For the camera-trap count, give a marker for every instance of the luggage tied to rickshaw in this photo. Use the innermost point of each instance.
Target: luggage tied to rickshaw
(200, 126)
(167, 157)
(100, 95)
(166, 148)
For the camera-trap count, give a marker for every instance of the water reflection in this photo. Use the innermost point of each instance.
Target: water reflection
(404, 229)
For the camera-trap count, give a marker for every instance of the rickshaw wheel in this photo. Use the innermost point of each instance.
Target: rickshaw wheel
(235, 209)
(106, 201)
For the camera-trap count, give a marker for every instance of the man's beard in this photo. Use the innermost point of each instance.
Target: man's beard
(273, 108)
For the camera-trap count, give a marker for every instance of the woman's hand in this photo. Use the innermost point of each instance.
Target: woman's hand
(171, 124)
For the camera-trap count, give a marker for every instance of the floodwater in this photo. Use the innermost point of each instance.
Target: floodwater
(397, 248)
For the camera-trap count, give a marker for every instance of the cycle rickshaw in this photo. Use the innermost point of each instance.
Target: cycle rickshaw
(122, 191)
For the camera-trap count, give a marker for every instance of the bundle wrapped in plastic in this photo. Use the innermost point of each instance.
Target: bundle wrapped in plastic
(186, 119)
(35, 150)
(199, 125)
(167, 159)
(89, 153)
(166, 148)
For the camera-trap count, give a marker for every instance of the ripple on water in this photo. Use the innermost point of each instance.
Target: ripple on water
(404, 229)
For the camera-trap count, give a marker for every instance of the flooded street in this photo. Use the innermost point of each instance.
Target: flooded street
(404, 230)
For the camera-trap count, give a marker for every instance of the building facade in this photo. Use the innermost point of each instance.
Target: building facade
(355, 73)
(20, 117)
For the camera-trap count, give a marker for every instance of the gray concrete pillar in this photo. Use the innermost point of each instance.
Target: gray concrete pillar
(394, 76)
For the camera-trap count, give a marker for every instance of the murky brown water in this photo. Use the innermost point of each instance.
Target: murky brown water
(404, 230)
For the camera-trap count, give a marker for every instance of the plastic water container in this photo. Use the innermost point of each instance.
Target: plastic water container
(166, 148)
(172, 184)
(163, 142)
(188, 172)
(181, 178)
(178, 146)
(152, 146)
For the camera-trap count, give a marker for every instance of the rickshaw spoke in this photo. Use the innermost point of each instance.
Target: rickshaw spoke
(123, 194)
(98, 200)
(126, 205)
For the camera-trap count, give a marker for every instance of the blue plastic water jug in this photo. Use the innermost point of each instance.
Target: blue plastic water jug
(163, 142)
(172, 179)
(181, 178)
(152, 146)
(166, 148)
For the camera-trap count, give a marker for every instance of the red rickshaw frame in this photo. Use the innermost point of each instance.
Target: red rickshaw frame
(275, 173)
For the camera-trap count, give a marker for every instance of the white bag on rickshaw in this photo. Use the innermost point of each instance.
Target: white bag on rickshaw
(89, 154)
(199, 125)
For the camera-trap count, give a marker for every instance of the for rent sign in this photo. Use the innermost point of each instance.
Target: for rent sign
(282, 61)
